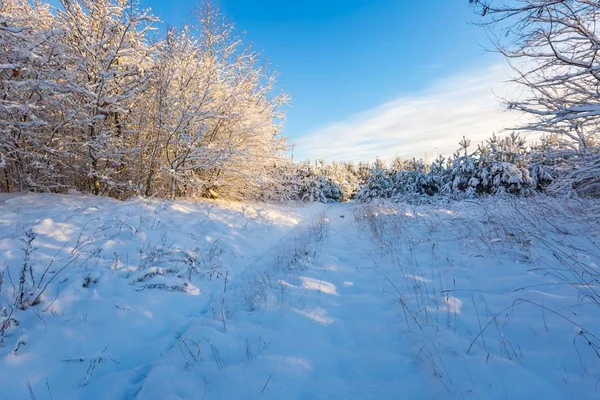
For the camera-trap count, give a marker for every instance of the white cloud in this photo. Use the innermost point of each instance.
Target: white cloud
(433, 121)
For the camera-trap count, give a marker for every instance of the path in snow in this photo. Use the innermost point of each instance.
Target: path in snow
(298, 302)
(339, 339)
(346, 334)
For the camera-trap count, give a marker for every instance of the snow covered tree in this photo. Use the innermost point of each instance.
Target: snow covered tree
(243, 143)
(315, 182)
(497, 166)
(90, 100)
(379, 184)
(553, 47)
(108, 43)
(181, 106)
(311, 185)
(412, 177)
(32, 88)
(344, 177)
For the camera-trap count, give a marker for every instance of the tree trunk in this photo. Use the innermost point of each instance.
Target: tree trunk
(95, 180)
(149, 182)
(173, 188)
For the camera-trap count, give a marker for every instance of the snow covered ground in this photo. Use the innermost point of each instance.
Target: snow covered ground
(153, 299)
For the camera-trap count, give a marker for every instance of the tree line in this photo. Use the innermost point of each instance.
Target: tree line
(98, 96)
(94, 97)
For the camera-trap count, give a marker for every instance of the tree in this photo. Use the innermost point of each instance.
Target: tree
(110, 56)
(32, 66)
(552, 46)
(379, 184)
(242, 143)
(182, 107)
(90, 100)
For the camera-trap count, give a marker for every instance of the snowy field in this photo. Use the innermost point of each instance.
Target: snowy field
(149, 299)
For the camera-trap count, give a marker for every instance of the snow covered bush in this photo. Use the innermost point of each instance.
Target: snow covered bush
(315, 185)
(414, 177)
(575, 173)
(497, 166)
(321, 189)
(501, 177)
(312, 182)
(345, 176)
(379, 184)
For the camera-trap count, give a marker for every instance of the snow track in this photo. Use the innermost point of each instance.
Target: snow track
(177, 300)
(337, 338)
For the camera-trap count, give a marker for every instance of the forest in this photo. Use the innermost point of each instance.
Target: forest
(100, 97)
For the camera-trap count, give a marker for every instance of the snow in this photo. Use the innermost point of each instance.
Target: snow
(9, 66)
(155, 299)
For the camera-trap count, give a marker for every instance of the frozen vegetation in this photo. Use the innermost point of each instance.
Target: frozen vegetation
(156, 242)
(171, 299)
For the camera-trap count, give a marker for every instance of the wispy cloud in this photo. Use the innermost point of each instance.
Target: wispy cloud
(431, 122)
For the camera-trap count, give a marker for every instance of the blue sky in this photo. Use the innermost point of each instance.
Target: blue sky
(371, 78)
